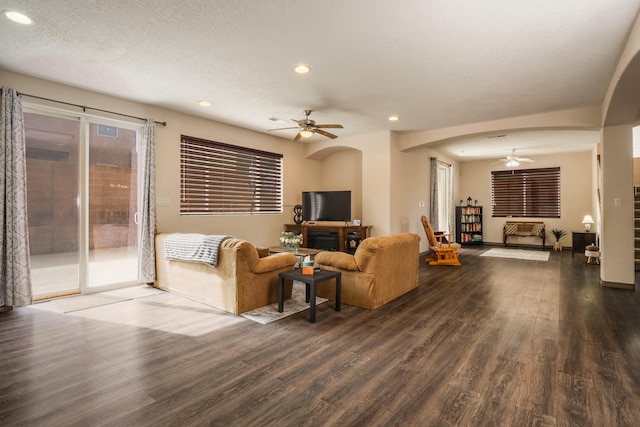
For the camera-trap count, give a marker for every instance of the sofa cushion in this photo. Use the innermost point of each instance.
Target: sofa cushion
(365, 255)
(340, 260)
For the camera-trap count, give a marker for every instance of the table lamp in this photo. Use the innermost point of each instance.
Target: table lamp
(587, 221)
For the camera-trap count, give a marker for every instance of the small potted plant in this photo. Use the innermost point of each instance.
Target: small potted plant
(289, 239)
(558, 233)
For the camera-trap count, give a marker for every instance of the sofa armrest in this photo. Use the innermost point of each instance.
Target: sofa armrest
(341, 260)
(274, 262)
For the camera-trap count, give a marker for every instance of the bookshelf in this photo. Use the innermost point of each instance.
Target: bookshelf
(469, 225)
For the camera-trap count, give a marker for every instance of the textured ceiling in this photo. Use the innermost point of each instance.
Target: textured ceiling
(433, 63)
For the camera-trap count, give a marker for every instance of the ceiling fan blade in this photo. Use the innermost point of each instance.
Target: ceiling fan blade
(524, 159)
(297, 138)
(329, 126)
(499, 161)
(327, 134)
(294, 127)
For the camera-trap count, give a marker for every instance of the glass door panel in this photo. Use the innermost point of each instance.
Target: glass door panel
(112, 205)
(52, 154)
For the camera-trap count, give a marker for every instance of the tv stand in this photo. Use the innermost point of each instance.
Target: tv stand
(343, 238)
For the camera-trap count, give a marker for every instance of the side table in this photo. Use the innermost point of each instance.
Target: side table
(310, 280)
(580, 239)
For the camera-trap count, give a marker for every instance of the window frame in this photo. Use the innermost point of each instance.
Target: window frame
(224, 179)
(530, 193)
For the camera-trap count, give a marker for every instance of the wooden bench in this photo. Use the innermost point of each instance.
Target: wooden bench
(524, 229)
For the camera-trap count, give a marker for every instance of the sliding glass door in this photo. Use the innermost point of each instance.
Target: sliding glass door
(82, 186)
(112, 205)
(53, 185)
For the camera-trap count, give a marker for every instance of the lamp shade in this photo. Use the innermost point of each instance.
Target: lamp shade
(587, 221)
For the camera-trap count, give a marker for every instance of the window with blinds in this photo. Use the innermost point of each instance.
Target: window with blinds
(223, 179)
(526, 193)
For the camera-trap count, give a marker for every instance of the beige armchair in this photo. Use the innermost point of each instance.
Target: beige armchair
(381, 269)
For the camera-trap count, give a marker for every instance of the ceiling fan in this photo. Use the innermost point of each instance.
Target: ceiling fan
(307, 127)
(513, 160)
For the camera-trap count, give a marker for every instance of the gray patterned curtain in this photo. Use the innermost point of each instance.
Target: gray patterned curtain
(15, 271)
(433, 211)
(147, 228)
(452, 203)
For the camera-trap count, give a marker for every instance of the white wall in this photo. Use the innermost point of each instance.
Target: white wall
(575, 192)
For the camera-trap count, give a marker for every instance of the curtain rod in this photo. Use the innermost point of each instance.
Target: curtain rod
(440, 161)
(85, 108)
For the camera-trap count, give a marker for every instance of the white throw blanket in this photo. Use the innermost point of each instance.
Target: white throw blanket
(193, 247)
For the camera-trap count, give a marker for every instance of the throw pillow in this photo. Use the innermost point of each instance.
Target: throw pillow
(262, 252)
(510, 229)
(537, 229)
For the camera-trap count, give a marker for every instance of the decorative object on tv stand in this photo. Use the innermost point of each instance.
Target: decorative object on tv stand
(356, 222)
(297, 214)
(469, 201)
(289, 239)
(558, 233)
(587, 221)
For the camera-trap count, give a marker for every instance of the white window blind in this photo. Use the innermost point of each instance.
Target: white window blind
(219, 179)
(526, 193)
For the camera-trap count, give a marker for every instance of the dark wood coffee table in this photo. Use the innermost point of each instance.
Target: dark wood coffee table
(310, 280)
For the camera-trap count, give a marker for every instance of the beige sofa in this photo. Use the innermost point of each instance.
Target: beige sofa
(381, 269)
(242, 280)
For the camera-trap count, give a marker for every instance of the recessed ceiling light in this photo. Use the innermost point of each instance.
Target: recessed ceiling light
(394, 118)
(204, 103)
(302, 69)
(18, 17)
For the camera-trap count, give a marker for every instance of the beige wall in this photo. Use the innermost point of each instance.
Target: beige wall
(575, 193)
(617, 243)
(343, 171)
(300, 173)
(387, 173)
(636, 172)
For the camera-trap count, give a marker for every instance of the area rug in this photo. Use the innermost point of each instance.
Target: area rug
(269, 313)
(83, 302)
(517, 254)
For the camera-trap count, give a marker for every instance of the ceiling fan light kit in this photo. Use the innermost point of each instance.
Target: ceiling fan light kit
(308, 127)
(512, 161)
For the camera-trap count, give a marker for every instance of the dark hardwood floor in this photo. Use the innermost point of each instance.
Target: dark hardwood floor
(495, 342)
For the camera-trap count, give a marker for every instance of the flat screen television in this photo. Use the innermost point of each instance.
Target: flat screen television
(326, 206)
